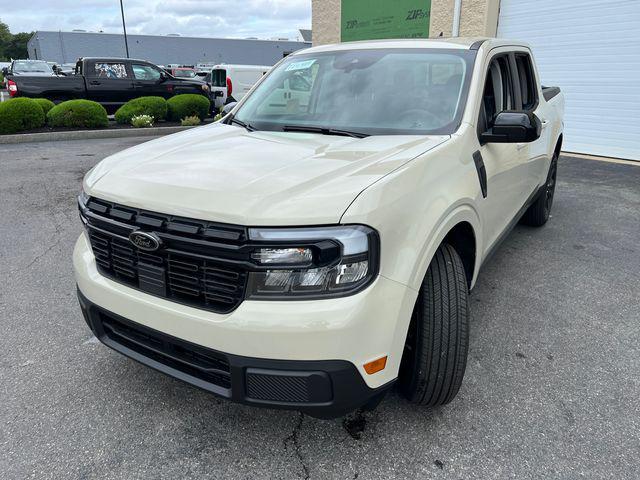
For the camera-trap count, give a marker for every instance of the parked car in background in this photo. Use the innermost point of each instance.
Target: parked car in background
(309, 253)
(31, 68)
(230, 83)
(4, 67)
(109, 81)
(183, 72)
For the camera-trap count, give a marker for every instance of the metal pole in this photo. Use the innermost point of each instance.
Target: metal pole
(455, 31)
(124, 28)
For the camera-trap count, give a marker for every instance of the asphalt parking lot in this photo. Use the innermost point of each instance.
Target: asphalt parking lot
(551, 389)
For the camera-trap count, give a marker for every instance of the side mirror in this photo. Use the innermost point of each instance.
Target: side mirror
(228, 107)
(163, 77)
(5, 71)
(513, 127)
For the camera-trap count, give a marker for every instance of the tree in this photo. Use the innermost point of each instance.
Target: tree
(17, 46)
(5, 37)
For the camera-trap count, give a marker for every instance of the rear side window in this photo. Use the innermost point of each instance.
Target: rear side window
(527, 81)
(110, 70)
(219, 78)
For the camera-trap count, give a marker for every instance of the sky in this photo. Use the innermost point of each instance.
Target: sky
(207, 18)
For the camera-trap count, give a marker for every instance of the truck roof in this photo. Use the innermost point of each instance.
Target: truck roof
(111, 59)
(457, 43)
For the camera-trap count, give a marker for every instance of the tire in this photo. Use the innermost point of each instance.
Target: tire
(435, 354)
(538, 213)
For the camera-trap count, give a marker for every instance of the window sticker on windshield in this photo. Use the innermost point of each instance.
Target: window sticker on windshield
(300, 65)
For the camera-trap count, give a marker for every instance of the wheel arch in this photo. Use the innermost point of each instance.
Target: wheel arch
(463, 239)
(461, 228)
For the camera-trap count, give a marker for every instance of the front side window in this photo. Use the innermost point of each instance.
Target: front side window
(498, 92)
(110, 70)
(369, 91)
(145, 72)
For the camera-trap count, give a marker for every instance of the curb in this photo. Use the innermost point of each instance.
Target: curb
(87, 134)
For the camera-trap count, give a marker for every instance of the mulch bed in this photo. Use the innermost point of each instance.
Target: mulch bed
(112, 126)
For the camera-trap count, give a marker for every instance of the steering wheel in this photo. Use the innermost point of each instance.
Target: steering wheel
(418, 117)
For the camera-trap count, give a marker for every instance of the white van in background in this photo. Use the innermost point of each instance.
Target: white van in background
(230, 83)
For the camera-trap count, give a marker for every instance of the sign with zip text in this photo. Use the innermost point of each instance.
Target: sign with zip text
(375, 19)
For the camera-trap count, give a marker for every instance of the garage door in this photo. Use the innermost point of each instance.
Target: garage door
(591, 49)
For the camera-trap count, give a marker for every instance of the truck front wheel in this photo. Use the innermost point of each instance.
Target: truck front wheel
(435, 354)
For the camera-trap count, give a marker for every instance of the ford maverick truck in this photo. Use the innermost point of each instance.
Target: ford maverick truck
(312, 249)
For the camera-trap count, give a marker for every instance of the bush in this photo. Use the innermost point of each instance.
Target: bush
(45, 104)
(188, 105)
(78, 113)
(153, 106)
(19, 114)
(190, 121)
(142, 121)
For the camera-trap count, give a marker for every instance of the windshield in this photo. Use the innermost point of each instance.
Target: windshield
(31, 67)
(371, 92)
(184, 73)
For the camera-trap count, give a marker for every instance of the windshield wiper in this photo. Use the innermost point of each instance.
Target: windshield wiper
(323, 131)
(240, 123)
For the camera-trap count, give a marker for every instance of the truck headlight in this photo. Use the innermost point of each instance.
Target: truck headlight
(309, 263)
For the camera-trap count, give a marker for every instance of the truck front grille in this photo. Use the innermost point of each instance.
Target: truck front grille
(200, 264)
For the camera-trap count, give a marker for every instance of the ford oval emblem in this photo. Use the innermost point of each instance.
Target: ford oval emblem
(145, 241)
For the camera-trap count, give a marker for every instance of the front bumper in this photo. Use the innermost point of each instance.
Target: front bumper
(324, 342)
(320, 388)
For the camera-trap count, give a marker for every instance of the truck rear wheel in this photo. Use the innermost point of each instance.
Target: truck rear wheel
(538, 213)
(435, 354)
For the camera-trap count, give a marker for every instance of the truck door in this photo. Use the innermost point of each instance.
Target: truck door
(535, 154)
(108, 82)
(505, 173)
(149, 81)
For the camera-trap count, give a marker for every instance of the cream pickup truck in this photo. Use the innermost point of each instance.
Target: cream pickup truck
(318, 244)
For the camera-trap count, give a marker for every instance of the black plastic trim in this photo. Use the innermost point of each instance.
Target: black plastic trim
(477, 44)
(549, 92)
(335, 386)
(482, 172)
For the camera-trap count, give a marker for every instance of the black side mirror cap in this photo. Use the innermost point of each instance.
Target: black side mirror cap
(228, 107)
(513, 127)
(5, 71)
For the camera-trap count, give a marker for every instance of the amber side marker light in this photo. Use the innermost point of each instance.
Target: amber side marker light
(376, 365)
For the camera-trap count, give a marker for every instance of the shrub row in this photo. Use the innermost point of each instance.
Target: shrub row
(155, 107)
(175, 109)
(20, 114)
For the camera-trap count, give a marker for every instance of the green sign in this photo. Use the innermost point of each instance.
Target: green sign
(373, 19)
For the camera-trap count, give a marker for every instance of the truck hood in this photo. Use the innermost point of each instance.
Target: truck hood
(226, 174)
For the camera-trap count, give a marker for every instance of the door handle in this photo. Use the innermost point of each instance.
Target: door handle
(95, 82)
